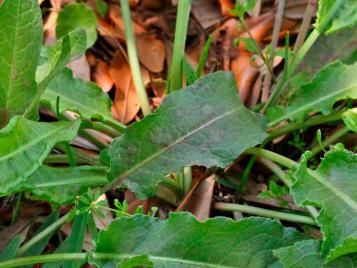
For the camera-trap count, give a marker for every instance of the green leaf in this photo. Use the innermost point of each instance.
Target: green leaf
(335, 82)
(135, 262)
(24, 146)
(350, 119)
(62, 185)
(102, 7)
(204, 124)
(38, 247)
(56, 57)
(77, 16)
(183, 241)
(9, 251)
(332, 186)
(83, 97)
(52, 61)
(328, 48)
(306, 254)
(73, 243)
(335, 15)
(20, 43)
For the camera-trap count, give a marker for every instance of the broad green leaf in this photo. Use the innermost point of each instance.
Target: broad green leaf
(335, 82)
(350, 119)
(335, 15)
(77, 16)
(62, 185)
(306, 254)
(138, 261)
(328, 48)
(53, 60)
(332, 186)
(183, 241)
(20, 43)
(204, 124)
(24, 146)
(83, 97)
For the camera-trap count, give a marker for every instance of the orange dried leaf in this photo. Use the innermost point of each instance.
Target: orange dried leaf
(102, 77)
(151, 52)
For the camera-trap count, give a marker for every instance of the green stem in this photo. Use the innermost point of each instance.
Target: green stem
(331, 139)
(301, 54)
(175, 74)
(53, 227)
(286, 180)
(133, 58)
(264, 213)
(282, 160)
(317, 120)
(42, 259)
(276, 170)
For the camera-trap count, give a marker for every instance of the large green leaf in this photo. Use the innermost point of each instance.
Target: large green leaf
(83, 97)
(334, 15)
(183, 241)
(62, 185)
(333, 187)
(329, 48)
(53, 60)
(204, 124)
(77, 16)
(335, 82)
(20, 43)
(24, 146)
(306, 254)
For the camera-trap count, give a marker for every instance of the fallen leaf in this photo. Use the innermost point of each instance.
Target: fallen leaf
(198, 200)
(102, 77)
(244, 73)
(151, 52)
(226, 6)
(126, 102)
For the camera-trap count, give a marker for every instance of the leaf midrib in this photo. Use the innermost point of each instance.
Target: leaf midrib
(166, 148)
(309, 105)
(12, 68)
(55, 94)
(33, 143)
(99, 255)
(344, 197)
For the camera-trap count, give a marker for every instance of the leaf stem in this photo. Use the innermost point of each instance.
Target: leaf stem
(175, 74)
(282, 160)
(54, 226)
(316, 120)
(264, 213)
(42, 259)
(286, 180)
(133, 58)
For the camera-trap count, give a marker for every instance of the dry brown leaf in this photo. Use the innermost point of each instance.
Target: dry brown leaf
(116, 18)
(126, 102)
(198, 200)
(226, 7)
(151, 52)
(102, 77)
(245, 74)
